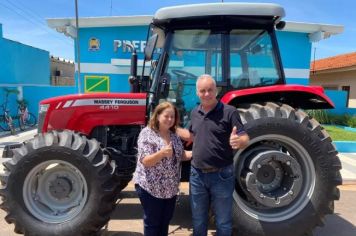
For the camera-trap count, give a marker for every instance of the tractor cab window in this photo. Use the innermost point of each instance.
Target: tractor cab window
(191, 54)
(252, 59)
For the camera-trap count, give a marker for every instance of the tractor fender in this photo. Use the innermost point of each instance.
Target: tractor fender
(297, 96)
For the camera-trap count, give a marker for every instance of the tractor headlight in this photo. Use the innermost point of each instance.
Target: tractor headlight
(43, 108)
(42, 111)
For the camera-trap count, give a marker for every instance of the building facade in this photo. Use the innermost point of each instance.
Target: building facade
(25, 74)
(336, 73)
(21, 66)
(106, 61)
(62, 72)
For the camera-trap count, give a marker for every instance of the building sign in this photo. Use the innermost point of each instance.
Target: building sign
(94, 44)
(94, 83)
(121, 45)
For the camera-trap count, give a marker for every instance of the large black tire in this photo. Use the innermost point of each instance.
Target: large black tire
(287, 177)
(59, 183)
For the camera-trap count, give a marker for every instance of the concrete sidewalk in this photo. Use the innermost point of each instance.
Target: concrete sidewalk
(348, 171)
(348, 160)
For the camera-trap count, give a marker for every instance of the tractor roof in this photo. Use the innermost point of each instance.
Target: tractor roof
(220, 9)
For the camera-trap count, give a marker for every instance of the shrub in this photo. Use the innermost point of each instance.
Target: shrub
(320, 115)
(327, 118)
(339, 119)
(352, 121)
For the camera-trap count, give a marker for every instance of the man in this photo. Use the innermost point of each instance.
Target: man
(216, 130)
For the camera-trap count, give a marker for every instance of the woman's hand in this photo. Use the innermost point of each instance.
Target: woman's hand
(156, 157)
(167, 151)
(187, 155)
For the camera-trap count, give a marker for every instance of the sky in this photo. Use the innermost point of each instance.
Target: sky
(25, 21)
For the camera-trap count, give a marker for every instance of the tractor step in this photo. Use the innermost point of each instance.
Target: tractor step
(8, 147)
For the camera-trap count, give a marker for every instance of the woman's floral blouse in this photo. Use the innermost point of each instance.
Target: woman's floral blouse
(162, 179)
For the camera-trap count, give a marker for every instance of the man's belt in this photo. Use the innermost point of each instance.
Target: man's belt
(210, 170)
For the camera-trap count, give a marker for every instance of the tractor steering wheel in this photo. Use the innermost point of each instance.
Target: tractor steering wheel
(183, 74)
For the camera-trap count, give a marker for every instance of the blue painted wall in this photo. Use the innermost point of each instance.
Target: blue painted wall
(28, 69)
(106, 36)
(36, 94)
(339, 99)
(106, 52)
(22, 64)
(11, 103)
(295, 49)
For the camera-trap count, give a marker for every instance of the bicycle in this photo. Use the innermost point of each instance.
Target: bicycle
(25, 118)
(6, 121)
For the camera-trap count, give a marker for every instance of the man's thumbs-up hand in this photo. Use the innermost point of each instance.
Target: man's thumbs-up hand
(234, 131)
(235, 141)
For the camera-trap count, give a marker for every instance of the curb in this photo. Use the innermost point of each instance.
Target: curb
(345, 146)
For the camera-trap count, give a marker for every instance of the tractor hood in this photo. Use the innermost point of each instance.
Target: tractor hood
(83, 112)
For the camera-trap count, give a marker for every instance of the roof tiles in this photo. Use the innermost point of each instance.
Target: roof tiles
(335, 62)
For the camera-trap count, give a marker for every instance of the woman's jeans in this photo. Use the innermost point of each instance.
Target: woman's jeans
(213, 190)
(158, 212)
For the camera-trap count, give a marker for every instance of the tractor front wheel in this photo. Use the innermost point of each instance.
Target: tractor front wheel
(59, 183)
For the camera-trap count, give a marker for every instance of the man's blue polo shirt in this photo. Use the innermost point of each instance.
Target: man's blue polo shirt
(212, 130)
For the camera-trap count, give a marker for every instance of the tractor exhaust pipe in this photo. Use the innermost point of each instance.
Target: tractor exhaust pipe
(134, 83)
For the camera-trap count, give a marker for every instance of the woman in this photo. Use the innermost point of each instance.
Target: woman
(156, 177)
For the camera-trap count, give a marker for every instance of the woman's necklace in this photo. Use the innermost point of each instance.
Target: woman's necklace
(165, 136)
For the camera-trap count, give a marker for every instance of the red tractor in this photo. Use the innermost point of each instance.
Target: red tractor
(65, 181)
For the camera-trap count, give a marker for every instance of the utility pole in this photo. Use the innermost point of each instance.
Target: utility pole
(78, 46)
(313, 68)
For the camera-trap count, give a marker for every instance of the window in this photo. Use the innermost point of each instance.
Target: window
(347, 89)
(252, 59)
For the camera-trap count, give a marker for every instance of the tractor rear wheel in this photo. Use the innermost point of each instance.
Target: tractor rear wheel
(59, 183)
(287, 178)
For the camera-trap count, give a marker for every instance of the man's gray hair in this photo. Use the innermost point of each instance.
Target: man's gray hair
(205, 76)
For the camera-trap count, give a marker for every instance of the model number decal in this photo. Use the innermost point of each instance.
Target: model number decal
(109, 107)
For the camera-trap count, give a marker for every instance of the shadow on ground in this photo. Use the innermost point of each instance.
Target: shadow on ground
(181, 222)
(336, 225)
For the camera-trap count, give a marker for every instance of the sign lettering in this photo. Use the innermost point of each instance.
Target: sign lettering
(119, 44)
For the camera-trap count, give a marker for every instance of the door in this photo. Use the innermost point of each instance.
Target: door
(347, 89)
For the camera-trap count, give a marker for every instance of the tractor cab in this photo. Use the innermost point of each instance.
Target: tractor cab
(233, 42)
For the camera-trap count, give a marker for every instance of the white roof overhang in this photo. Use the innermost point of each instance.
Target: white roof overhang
(316, 31)
(66, 26)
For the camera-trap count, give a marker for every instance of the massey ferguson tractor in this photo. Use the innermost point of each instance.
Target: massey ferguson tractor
(66, 180)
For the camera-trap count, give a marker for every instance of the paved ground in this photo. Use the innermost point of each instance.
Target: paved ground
(127, 218)
(348, 171)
